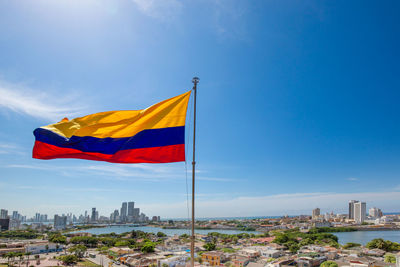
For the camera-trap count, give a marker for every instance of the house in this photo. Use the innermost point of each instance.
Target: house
(364, 262)
(282, 263)
(310, 261)
(254, 264)
(174, 261)
(240, 261)
(120, 251)
(249, 253)
(276, 246)
(214, 258)
(270, 253)
(262, 240)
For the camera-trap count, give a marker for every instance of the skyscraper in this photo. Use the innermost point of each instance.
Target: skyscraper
(15, 215)
(60, 222)
(131, 207)
(3, 214)
(93, 218)
(115, 216)
(351, 208)
(123, 212)
(136, 212)
(360, 211)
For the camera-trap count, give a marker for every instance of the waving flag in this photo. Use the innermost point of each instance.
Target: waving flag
(152, 135)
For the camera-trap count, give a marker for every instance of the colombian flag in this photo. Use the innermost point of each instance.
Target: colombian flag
(152, 135)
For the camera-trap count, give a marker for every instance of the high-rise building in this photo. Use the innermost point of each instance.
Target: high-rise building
(315, 213)
(4, 224)
(60, 222)
(3, 214)
(115, 216)
(93, 218)
(360, 211)
(131, 207)
(136, 212)
(123, 211)
(351, 208)
(37, 217)
(15, 215)
(375, 213)
(43, 218)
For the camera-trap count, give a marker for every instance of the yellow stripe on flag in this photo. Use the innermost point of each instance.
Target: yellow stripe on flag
(126, 123)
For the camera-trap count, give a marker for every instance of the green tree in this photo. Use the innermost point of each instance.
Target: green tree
(78, 250)
(69, 259)
(209, 246)
(390, 258)
(27, 254)
(5, 256)
(90, 241)
(58, 238)
(20, 255)
(122, 243)
(148, 247)
(351, 245)
(281, 239)
(385, 245)
(329, 264)
(161, 234)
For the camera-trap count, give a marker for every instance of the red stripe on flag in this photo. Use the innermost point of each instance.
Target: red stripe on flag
(163, 154)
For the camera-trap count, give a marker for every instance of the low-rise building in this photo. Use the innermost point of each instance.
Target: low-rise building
(120, 251)
(214, 258)
(42, 247)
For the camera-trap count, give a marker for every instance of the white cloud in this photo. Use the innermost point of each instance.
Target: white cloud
(159, 9)
(24, 100)
(122, 172)
(11, 148)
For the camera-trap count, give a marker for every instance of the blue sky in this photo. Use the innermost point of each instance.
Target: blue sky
(298, 102)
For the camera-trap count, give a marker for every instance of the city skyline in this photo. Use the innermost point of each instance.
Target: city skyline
(350, 212)
(297, 103)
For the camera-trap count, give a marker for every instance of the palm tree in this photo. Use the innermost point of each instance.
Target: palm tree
(11, 255)
(27, 260)
(5, 256)
(21, 257)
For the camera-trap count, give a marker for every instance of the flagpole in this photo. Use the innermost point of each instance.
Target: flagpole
(195, 81)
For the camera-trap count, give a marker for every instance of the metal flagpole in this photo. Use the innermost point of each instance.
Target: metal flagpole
(195, 81)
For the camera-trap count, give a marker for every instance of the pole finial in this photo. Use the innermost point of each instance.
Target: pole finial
(195, 80)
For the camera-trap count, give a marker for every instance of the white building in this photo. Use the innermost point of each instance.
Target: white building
(268, 252)
(375, 213)
(360, 211)
(42, 247)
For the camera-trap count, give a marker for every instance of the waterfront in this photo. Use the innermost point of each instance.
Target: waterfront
(363, 237)
(170, 232)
